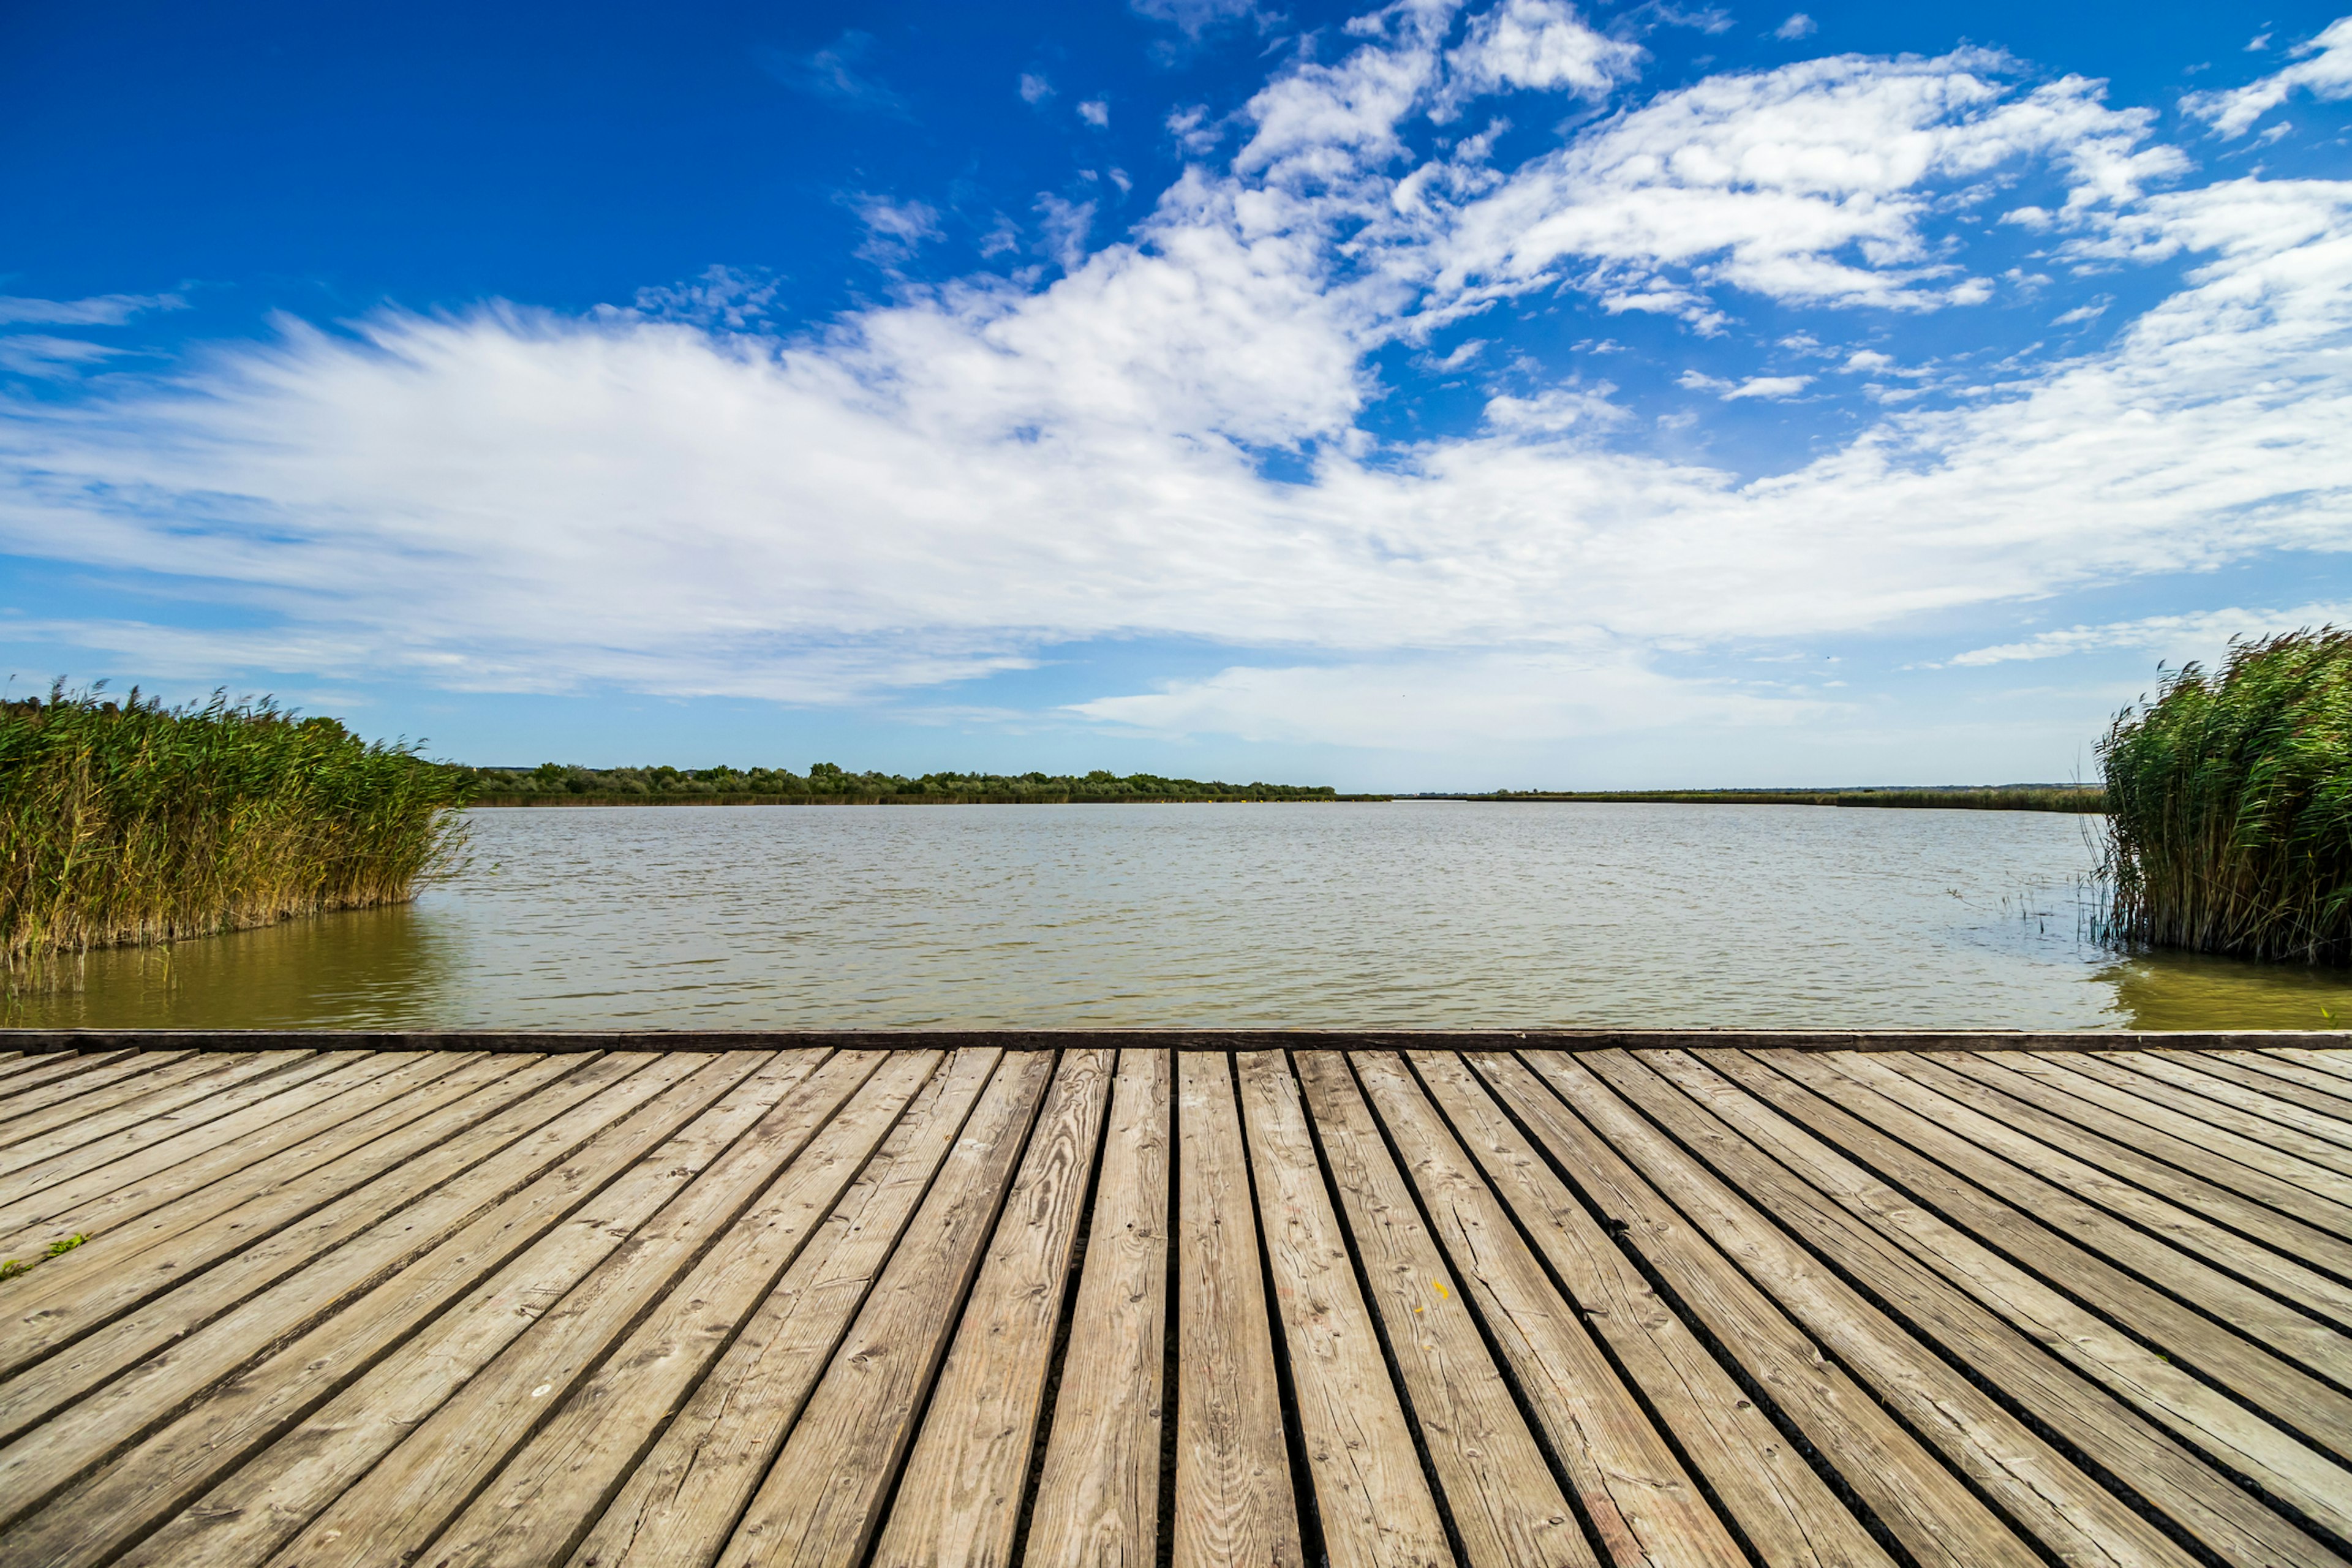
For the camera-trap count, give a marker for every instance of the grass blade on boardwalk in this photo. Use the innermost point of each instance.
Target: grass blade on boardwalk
(821, 1502)
(1235, 1502)
(1372, 1498)
(1098, 1491)
(959, 1501)
(1507, 1506)
(1791, 1518)
(682, 1502)
(353, 1320)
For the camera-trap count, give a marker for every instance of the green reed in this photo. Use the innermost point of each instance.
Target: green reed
(2230, 805)
(131, 822)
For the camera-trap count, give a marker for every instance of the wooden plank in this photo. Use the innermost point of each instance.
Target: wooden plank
(1370, 1494)
(2208, 1420)
(63, 1081)
(162, 1114)
(2336, 1064)
(1507, 1506)
(1097, 1502)
(682, 1502)
(2326, 1112)
(405, 1502)
(1785, 1511)
(315, 1350)
(2288, 1128)
(820, 1504)
(2260, 1171)
(27, 1140)
(959, 1502)
(96, 1203)
(1911, 1111)
(1234, 1501)
(25, 1218)
(2031, 1105)
(2036, 1486)
(547, 1495)
(252, 1512)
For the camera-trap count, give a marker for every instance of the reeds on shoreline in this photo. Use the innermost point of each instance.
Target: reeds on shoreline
(130, 822)
(2230, 805)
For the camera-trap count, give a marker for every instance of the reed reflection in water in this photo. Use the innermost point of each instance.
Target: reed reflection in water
(1428, 914)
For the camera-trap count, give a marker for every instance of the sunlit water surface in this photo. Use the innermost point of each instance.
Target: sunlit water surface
(1410, 914)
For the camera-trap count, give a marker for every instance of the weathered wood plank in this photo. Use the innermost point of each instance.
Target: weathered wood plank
(1370, 1494)
(821, 1502)
(2146, 1380)
(1507, 1506)
(2250, 1114)
(1098, 1491)
(681, 1504)
(2262, 1090)
(959, 1498)
(2327, 1072)
(1915, 1114)
(1784, 1509)
(2260, 1171)
(114, 1195)
(334, 1322)
(1914, 1497)
(2034, 1483)
(26, 1141)
(402, 1505)
(1234, 1501)
(69, 1078)
(2030, 1105)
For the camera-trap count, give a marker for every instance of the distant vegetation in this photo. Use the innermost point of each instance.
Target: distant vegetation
(552, 783)
(2231, 824)
(129, 822)
(2007, 797)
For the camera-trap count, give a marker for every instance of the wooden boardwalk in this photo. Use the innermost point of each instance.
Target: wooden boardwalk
(1115, 1304)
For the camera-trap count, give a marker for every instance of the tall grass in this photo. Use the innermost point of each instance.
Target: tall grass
(131, 822)
(2230, 805)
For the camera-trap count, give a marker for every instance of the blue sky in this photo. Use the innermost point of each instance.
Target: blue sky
(1434, 397)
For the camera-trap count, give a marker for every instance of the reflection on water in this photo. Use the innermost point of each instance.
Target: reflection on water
(1409, 914)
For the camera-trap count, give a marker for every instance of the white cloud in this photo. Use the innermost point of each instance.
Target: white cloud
(947, 485)
(1034, 89)
(1798, 26)
(98, 310)
(1541, 45)
(2323, 68)
(894, 230)
(1773, 387)
(1096, 112)
(51, 359)
(2204, 635)
(1195, 17)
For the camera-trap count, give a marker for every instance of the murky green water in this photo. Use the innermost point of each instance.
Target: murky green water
(1410, 914)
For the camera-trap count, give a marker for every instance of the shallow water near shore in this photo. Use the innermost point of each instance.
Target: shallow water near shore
(1400, 915)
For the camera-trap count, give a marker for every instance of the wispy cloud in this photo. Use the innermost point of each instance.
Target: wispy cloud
(98, 310)
(834, 74)
(2323, 68)
(1798, 26)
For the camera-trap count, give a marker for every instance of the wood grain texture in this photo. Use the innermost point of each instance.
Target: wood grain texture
(2214, 1092)
(201, 1078)
(1234, 1501)
(1372, 1496)
(687, 1494)
(1097, 1503)
(2147, 1380)
(1785, 1511)
(1507, 1506)
(821, 1504)
(329, 1325)
(66, 1078)
(959, 1498)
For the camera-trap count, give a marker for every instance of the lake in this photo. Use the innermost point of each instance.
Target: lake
(1398, 915)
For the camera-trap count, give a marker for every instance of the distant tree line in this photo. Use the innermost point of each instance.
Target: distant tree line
(558, 783)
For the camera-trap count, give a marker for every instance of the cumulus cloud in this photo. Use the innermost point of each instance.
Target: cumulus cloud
(2323, 68)
(1094, 112)
(1798, 26)
(950, 484)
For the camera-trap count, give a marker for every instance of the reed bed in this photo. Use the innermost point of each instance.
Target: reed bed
(2230, 805)
(126, 822)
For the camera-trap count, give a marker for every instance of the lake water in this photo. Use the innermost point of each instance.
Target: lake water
(1428, 914)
